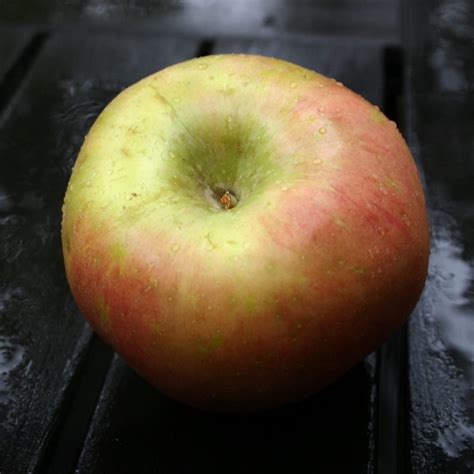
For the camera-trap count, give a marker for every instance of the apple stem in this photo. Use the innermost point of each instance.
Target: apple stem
(228, 200)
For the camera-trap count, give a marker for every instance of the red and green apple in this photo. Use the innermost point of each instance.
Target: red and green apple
(243, 230)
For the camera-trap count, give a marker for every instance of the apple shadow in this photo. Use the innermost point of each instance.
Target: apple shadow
(138, 428)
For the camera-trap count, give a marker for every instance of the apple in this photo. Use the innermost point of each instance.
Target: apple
(243, 230)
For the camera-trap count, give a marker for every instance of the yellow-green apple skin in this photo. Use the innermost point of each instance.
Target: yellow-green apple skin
(321, 256)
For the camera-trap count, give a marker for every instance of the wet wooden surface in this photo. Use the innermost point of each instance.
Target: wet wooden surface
(13, 41)
(440, 129)
(44, 339)
(355, 18)
(66, 403)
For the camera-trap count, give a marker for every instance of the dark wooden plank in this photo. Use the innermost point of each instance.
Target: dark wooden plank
(367, 18)
(358, 64)
(439, 45)
(42, 337)
(19, 47)
(391, 425)
(135, 429)
(12, 42)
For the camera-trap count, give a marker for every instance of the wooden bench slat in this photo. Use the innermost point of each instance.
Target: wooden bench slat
(43, 339)
(13, 41)
(135, 428)
(355, 17)
(438, 41)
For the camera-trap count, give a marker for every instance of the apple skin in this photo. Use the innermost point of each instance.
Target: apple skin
(246, 308)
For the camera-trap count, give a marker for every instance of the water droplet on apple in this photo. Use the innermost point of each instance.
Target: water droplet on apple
(406, 220)
(320, 110)
(317, 161)
(175, 247)
(203, 66)
(322, 131)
